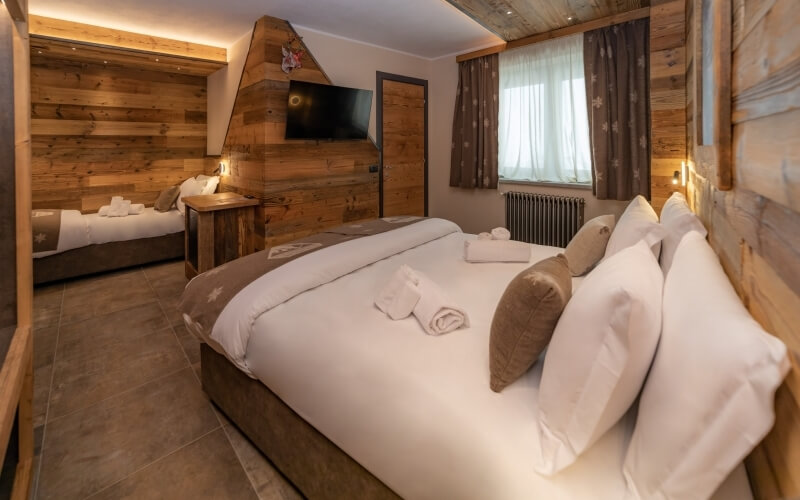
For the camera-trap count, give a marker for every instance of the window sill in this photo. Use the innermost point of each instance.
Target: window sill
(567, 185)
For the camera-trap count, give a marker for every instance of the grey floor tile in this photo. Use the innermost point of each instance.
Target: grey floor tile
(93, 448)
(96, 296)
(189, 342)
(170, 305)
(105, 355)
(47, 305)
(207, 468)
(42, 375)
(268, 482)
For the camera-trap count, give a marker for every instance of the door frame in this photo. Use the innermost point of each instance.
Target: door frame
(380, 76)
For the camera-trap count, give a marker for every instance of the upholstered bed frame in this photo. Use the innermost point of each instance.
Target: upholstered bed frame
(316, 466)
(107, 257)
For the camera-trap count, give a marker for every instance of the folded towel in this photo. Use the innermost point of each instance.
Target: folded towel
(119, 208)
(500, 233)
(435, 311)
(496, 251)
(136, 209)
(398, 298)
(484, 236)
(103, 212)
(116, 198)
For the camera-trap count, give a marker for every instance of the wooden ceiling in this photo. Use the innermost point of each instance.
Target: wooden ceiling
(515, 19)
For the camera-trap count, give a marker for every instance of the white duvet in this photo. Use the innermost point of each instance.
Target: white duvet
(80, 230)
(414, 410)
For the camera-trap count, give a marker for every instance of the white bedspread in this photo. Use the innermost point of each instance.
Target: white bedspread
(415, 410)
(73, 233)
(148, 224)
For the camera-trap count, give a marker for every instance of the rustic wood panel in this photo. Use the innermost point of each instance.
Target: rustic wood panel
(515, 19)
(667, 97)
(68, 30)
(101, 130)
(304, 186)
(755, 227)
(404, 148)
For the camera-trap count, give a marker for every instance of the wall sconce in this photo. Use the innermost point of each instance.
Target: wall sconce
(223, 169)
(676, 177)
(684, 173)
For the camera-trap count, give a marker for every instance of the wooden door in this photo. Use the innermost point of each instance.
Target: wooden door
(403, 146)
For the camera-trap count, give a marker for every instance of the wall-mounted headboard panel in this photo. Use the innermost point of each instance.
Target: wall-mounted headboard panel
(755, 227)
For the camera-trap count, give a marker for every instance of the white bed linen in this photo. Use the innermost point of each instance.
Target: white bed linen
(73, 233)
(415, 410)
(148, 224)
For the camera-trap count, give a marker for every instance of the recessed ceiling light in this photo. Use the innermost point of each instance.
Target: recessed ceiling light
(179, 68)
(156, 59)
(509, 12)
(569, 18)
(73, 48)
(105, 62)
(39, 51)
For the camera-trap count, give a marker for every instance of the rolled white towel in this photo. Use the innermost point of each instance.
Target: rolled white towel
(435, 311)
(496, 251)
(117, 199)
(136, 208)
(501, 233)
(119, 208)
(398, 298)
(484, 236)
(103, 212)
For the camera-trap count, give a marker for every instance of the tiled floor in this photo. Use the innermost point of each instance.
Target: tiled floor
(118, 407)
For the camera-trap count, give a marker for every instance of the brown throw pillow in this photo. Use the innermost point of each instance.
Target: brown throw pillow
(526, 317)
(166, 198)
(588, 246)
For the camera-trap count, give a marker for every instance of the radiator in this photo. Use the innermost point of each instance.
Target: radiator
(542, 218)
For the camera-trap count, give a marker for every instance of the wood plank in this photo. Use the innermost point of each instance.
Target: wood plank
(558, 33)
(104, 128)
(123, 58)
(68, 30)
(12, 376)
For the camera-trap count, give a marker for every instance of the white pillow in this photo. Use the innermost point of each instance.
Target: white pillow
(708, 399)
(678, 219)
(211, 183)
(638, 222)
(598, 358)
(189, 187)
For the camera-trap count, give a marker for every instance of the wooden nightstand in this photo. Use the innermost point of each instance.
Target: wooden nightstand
(219, 228)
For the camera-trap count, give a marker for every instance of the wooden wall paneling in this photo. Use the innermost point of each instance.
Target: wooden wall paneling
(104, 130)
(516, 19)
(68, 30)
(755, 227)
(304, 186)
(667, 97)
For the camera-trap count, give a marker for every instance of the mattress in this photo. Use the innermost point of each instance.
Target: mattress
(415, 410)
(148, 224)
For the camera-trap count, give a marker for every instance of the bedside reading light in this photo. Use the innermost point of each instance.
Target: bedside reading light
(676, 177)
(221, 169)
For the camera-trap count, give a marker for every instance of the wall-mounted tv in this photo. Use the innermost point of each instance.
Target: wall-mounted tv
(318, 111)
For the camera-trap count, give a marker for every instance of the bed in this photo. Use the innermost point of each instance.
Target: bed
(74, 244)
(349, 404)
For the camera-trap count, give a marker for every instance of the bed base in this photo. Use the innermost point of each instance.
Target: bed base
(107, 257)
(316, 466)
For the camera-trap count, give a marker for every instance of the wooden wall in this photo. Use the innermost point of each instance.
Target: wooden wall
(304, 186)
(115, 128)
(755, 227)
(667, 96)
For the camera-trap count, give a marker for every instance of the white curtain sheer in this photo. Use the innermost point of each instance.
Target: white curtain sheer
(543, 123)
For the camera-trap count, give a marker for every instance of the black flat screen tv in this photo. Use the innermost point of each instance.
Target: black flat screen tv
(318, 111)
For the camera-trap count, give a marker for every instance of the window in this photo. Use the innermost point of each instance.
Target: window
(543, 124)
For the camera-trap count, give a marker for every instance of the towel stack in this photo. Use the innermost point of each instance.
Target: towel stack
(496, 247)
(411, 292)
(120, 208)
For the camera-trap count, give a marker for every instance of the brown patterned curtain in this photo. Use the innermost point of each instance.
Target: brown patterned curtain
(617, 64)
(473, 159)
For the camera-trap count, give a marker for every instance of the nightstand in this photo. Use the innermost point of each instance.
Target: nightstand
(219, 229)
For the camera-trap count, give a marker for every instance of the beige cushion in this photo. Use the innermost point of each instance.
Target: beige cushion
(588, 246)
(166, 198)
(525, 319)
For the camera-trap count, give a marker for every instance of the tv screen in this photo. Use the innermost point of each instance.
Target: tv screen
(318, 111)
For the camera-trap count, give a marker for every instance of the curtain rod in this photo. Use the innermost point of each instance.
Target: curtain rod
(558, 33)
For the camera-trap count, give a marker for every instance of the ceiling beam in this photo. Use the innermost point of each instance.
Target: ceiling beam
(566, 31)
(18, 9)
(67, 30)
